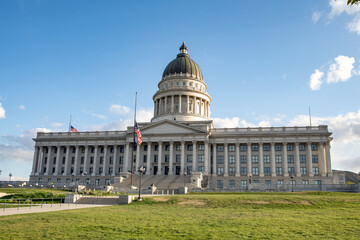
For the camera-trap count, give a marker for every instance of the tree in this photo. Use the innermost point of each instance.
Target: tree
(352, 2)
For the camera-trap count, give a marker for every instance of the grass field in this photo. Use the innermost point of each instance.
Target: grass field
(200, 216)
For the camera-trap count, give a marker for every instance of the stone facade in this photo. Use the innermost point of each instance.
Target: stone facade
(182, 138)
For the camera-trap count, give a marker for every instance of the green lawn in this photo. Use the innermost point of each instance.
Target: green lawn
(201, 216)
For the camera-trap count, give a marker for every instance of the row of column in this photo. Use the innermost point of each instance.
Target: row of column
(199, 105)
(324, 162)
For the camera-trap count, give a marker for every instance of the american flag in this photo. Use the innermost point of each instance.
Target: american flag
(72, 129)
(137, 131)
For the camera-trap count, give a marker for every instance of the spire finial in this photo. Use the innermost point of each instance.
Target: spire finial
(183, 48)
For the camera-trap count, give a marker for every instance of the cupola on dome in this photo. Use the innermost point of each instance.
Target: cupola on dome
(183, 64)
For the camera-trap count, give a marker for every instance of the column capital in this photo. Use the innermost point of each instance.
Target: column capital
(309, 142)
(214, 144)
(261, 143)
(226, 144)
(182, 142)
(160, 142)
(296, 143)
(171, 141)
(194, 141)
(237, 144)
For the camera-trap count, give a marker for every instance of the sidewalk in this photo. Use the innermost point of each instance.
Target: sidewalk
(46, 208)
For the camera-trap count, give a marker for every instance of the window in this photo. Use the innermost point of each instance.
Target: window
(277, 147)
(58, 180)
(91, 160)
(102, 160)
(156, 147)
(255, 171)
(121, 160)
(178, 158)
(280, 182)
(242, 148)
(305, 182)
(189, 158)
(254, 158)
(220, 159)
(87, 181)
(302, 158)
(254, 147)
(167, 147)
(279, 171)
(62, 170)
(97, 182)
(292, 182)
(316, 170)
(318, 182)
(219, 184)
(201, 158)
(201, 169)
(231, 171)
(303, 170)
(82, 160)
(231, 159)
(144, 158)
(110, 170)
(55, 150)
(267, 171)
(268, 182)
(155, 158)
(231, 148)
(40, 180)
(231, 183)
(243, 171)
(81, 170)
(256, 181)
(266, 159)
(45, 161)
(64, 150)
(315, 158)
(72, 160)
(201, 147)
(189, 147)
(53, 171)
(290, 147)
(120, 169)
(178, 147)
(92, 150)
(100, 170)
(54, 161)
(220, 171)
(166, 158)
(266, 147)
(73, 150)
(290, 158)
(314, 147)
(278, 158)
(220, 148)
(243, 159)
(291, 170)
(122, 150)
(44, 169)
(301, 147)
(71, 170)
(145, 147)
(243, 183)
(189, 170)
(63, 161)
(91, 170)
(82, 149)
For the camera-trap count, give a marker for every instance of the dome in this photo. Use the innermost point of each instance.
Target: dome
(183, 64)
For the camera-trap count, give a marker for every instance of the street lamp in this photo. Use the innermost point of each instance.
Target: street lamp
(10, 175)
(141, 171)
(250, 176)
(185, 173)
(292, 183)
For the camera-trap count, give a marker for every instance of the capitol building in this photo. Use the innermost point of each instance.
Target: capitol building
(181, 142)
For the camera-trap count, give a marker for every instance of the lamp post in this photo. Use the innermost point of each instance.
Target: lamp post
(141, 171)
(10, 175)
(292, 183)
(250, 176)
(185, 173)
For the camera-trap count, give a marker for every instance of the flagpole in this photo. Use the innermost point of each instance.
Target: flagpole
(134, 144)
(310, 116)
(70, 123)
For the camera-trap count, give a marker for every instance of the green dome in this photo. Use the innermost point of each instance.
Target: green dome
(183, 64)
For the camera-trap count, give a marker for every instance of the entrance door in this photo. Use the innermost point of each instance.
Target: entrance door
(155, 170)
(166, 170)
(178, 170)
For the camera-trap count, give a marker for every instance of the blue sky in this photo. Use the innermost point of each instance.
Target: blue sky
(264, 63)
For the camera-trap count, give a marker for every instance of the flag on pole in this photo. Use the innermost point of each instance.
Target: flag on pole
(137, 131)
(72, 129)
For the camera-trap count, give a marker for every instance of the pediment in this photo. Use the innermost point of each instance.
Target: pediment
(166, 127)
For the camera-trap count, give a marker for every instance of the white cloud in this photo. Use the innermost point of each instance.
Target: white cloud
(340, 6)
(341, 70)
(2, 112)
(95, 114)
(316, 16)
(354, 25)
(57, 125)
(315, 80)
(119, 109)
(22, 107)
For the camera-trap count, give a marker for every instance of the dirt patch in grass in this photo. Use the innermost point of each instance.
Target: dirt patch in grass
(194, 202)
(278, 201)
(161, 199)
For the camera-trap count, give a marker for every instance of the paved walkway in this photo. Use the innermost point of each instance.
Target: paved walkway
(45, 208)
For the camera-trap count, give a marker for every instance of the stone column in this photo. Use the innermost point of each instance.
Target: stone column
(172, 104)
(77, 163)
(309, 161)
(261, 160)
(226, 160)
(67, 161)
(137, 159)
(96, 156)
(126, 157)
(194, 163)
(105, 162)
(159, 158)
(206, 156)
(86, 160)
(149, 158)
(194, 110)
(285, 161)
(187, 103)
(154, 108)
(171, 160)
(48, 161)
(39, 162)
(272, 160)
(182, 158)
(322, 160)
(328, 160)
(214, 160)
(35, 159)
(179, 103)
(237, 159)
(249, 159)
(297, 160)
(58, 161)
(115, 159)
(165, 98)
